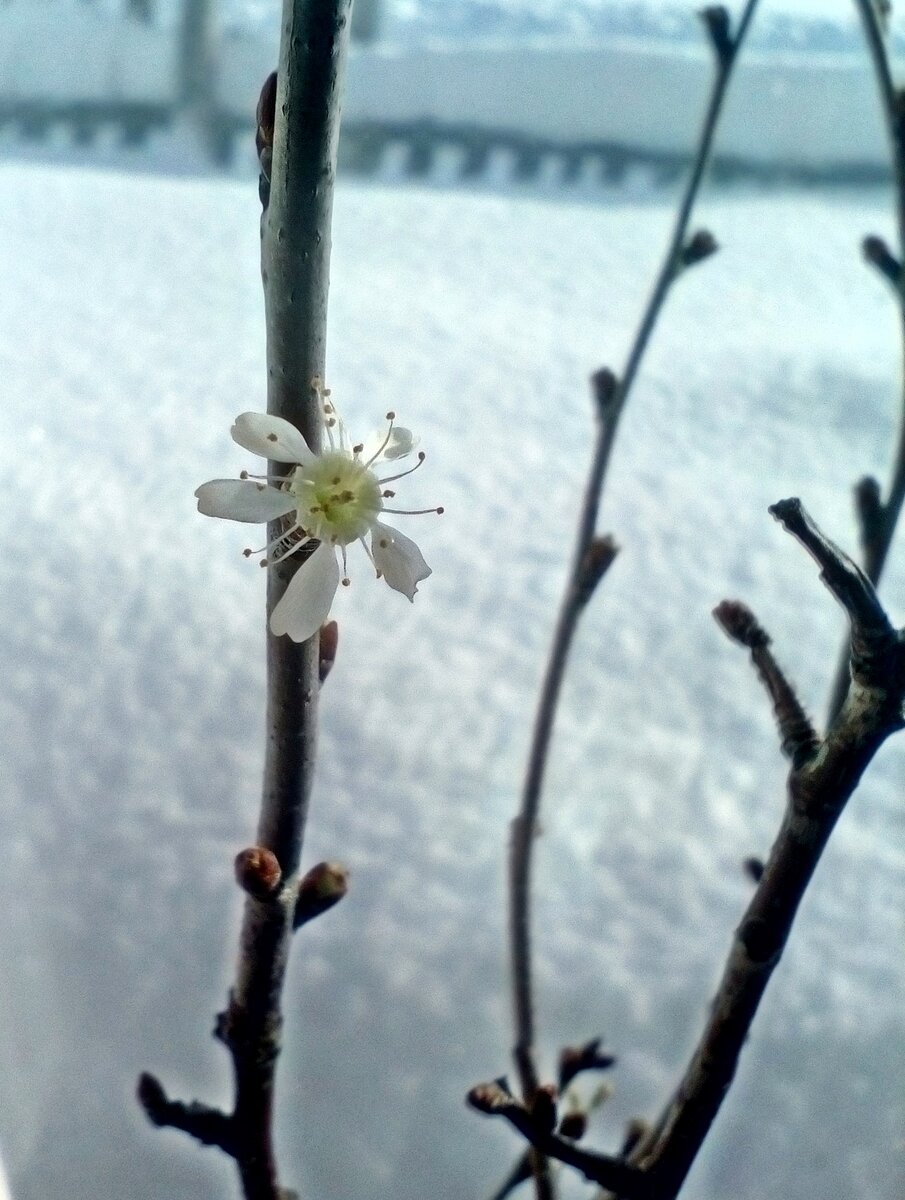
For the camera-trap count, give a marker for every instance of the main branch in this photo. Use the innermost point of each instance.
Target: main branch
(298, 128)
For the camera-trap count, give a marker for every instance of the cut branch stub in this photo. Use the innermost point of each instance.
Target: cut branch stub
(799, 740)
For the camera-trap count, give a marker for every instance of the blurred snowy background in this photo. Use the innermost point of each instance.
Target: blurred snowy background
(131, 333)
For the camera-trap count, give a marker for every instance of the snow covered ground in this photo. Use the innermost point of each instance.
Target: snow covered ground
(131, 638)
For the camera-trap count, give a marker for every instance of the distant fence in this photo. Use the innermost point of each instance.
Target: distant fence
(585, 109)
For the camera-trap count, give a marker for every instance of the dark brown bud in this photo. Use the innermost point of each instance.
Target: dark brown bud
(605, 387)
(598, 558)
(739, 623)
(323, 886)
(879, 255)
(152, 1097)
(574, 1125)
(258, 872)
(328, 646)
(754, 869)
(699, 246)
(489, 1098)
(266, 113)
(635, 1130)
(589, 1057)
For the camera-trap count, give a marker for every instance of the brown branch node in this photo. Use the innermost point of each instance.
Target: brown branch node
(598, 558)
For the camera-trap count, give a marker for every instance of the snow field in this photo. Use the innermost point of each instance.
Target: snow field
(130, 337)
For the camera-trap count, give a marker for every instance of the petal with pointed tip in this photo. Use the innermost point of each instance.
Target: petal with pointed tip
(398, 560)
(305, 604)
(243, 500)
(271, 437)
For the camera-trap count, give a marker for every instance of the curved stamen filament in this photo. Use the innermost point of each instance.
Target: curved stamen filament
(402, 474)
(285, 540)
(413, 512)
(391, 417)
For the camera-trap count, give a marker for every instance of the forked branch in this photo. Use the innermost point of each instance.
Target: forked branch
(593, 556)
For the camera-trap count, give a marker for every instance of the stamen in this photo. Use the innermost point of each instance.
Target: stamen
(391, 417)
(291, 540)
(388, 495)
(265, 478)
(414, 512)
(392, 478)
(356, 450)
(367, 550)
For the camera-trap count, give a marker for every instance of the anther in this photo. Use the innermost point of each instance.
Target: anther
(358, 449)
(272, 437)
(346, 582)
(388, 495)
(248, 552)
(391, 416)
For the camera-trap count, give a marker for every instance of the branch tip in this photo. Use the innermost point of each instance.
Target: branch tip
(719, 29)
(605, 386)
(878, 254)
(739, 623)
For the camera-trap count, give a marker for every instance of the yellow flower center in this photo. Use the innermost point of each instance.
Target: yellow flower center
(337, 497)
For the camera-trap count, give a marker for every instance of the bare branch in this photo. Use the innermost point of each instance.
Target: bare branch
(494, 1101)
(877, 532)
(207, 1125)
(297, 133)
(591, 558)
(818, 790)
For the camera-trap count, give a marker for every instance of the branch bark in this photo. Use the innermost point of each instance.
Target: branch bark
(879, 517)
(297, 193)
(820, 784)
(591, 559)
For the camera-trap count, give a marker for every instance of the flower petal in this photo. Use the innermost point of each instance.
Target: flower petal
(271, 437)
(305, 604)
(243, 500)
(398, 560)
(400, 442)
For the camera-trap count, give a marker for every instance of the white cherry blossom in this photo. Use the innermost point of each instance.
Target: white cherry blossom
(325, 502)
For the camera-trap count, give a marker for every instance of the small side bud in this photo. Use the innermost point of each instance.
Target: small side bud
(574, 1125)
(589, 1057)
(635, 1130)
(699, 246)
(605, 386)
(258, 872)
(265, 115)
(152, 1098)
(329, 642)
(543, 1107)
(489, 1098)
(878, 254)
(754, 869)
(322, 887)
(598, 559)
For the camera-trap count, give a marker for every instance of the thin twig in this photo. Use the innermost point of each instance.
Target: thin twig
(298, 169)
(593, 555)
(818, 790)
(878, 518)
(494, 1101)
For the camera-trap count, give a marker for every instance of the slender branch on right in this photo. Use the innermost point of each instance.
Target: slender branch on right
(878, 516)
(593, 556)
(824, 775)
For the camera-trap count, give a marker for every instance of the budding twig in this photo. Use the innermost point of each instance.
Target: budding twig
(591, 558)
(818, 789)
